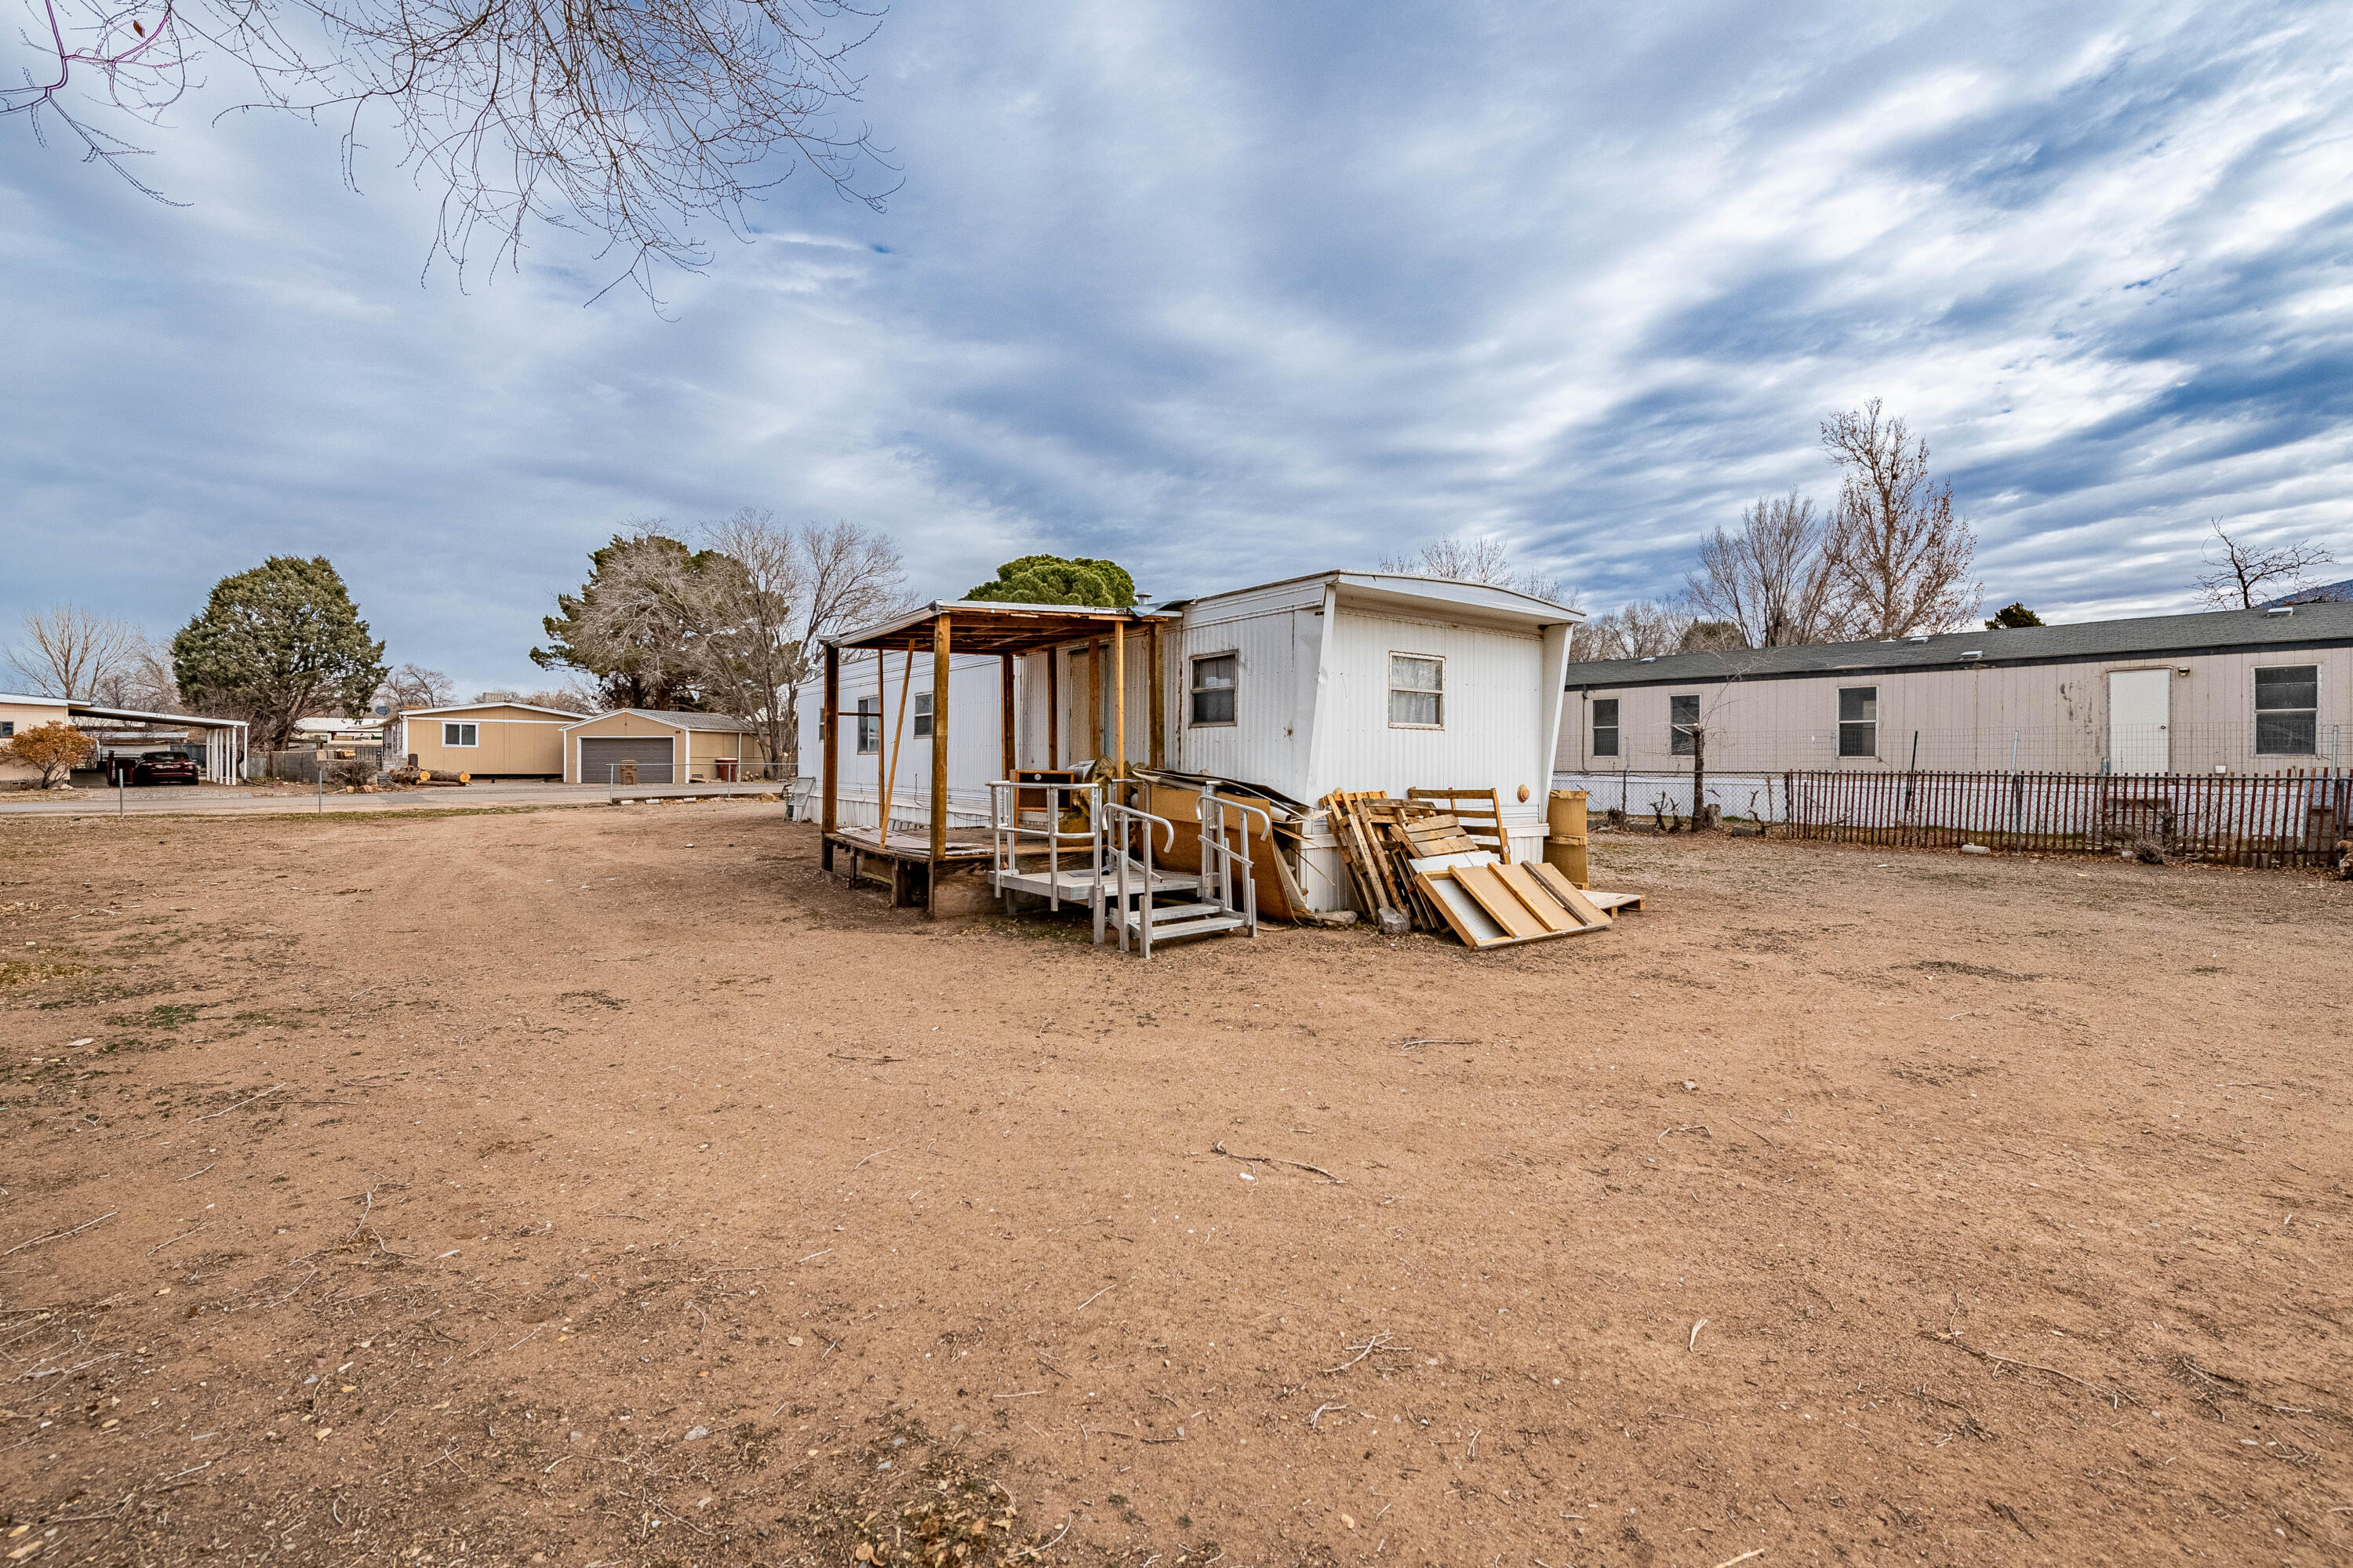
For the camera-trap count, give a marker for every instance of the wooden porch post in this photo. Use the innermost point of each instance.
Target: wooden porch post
(1005, 697)
(1095, 696)
(1053, 708)
(829, 731)
(939, 748)
(1118, 696)
(1159, 752)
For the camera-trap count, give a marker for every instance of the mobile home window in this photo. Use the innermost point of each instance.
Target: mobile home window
(869, 725)
(1417, 691)
(1683, 717)
(2287, 710)
(460, 735)
(1605, 726)
(1214, 679)
(1858, 721)
(8, 728)
(922, 714)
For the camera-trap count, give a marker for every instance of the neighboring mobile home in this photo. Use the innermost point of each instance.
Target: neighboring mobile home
(2233, 690)
(217, 746)
(1336, 681)
(665, 747)
(487, 741)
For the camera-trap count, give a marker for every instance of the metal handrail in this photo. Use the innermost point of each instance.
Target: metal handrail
(1005, 832)
(1128, 818)
(1214, 847)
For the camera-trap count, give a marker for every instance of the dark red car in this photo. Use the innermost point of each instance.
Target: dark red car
(164, 767)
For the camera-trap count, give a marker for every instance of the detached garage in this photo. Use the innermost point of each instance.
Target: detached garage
(487, 741)
(664, 748)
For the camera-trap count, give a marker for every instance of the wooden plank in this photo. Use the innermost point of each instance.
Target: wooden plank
(1572, 897)
(1498, 900)
(1005, 717)
(829, 740)
(1053, 708)
(1473, 925)
(1159, 736)
(1548, 911)
(939, 750)
(1119, 697)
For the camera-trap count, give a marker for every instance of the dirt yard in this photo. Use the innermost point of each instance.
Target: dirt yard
(608, 1186)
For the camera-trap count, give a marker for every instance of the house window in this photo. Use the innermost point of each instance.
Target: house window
(1214, 680)
(7, 729)
(1683, 717)
(1605, 726)
(869, 725)
(2287, 710)
(460, 735)
(1858, 721)
(922, 714)
(1417, 691)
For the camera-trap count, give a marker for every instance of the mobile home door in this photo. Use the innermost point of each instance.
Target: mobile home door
(2140, 712)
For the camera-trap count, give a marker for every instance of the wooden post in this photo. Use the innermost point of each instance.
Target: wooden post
(1159, 752)
(1119, 697)
(1005, 694)
(1095, 696)
(829, 731)
(1053, 708)
(939, 749)
(882, 750)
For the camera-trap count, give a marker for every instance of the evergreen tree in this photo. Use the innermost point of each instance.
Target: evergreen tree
(1051, 579)
(275, 644)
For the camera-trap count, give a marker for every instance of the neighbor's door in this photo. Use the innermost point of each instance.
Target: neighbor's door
(2140, 704)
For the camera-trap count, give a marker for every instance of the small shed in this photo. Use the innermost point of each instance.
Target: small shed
(664, 746)
(487, 740)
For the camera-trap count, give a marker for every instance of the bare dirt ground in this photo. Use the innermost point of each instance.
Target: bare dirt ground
(524, 1188)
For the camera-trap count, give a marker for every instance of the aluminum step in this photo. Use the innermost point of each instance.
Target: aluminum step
(1202, 926)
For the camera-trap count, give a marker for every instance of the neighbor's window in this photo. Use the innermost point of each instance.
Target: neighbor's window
(1858, 721)
(1683, 717)
(2287, 705)
(922, 714)
(460, 734)
(1417, 691)
(1605, 726)
(870, 724)
(8, 728)
(1214, 679)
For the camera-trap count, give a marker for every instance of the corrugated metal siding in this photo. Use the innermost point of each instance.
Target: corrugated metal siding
(1496, 694)
(1968, 719)
(1278, 647)
(975, 723)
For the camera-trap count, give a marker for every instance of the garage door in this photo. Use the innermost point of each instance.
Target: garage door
(601, 756)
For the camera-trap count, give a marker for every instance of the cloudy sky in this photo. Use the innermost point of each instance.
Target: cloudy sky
(1230, 292)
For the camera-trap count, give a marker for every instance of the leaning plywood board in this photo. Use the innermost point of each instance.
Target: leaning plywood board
(1497, 899)
(1547, 910)
(1470, 919)
(1570, 897)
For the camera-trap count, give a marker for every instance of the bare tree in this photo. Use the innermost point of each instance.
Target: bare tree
(69, 652)
(1638, 630)
(1773, 580)
(630, 122)
(1484, 559)
(414, 686)
(853, 577)
(1900, 557)
(2240, 579)
(142, 682)
(751, 652)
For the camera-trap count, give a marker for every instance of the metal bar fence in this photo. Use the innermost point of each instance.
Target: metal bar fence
(2271, 819)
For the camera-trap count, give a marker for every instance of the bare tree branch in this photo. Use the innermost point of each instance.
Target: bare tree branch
(2245, 570)
(71, 652)
(1773, 580)
(1900, 557)
(1485, 559)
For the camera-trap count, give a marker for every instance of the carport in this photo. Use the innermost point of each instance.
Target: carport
(225, 738)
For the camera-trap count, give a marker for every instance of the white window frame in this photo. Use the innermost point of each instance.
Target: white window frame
(1680, 739)
(2257, 712)
(460, 727)
(1616, 726)
(1845, 724)
(859, 736)
(1193, 689)
(1438, 691)
(922, 715)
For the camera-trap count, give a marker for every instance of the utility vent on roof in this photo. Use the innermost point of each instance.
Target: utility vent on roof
(1916, 641)
(2281, 609)
(1650, 658)
(1973, 654)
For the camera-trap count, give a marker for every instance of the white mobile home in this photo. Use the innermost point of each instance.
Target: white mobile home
(2260, 691)
(1339, 680)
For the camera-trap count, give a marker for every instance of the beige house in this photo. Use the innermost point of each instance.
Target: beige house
(663, 746)
(487, 741)
(217, 746)
(2233, 690)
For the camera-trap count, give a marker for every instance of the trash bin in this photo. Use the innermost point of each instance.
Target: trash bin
(727, 766)
(1565, 835)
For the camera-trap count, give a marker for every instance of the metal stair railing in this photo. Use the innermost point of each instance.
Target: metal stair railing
(1120, 822)
(1220, 815)
(1005, 832)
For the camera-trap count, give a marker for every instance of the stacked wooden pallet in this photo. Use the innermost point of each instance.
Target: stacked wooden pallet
(1438, 860)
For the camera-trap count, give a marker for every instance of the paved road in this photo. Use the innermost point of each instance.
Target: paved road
(209, 799)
